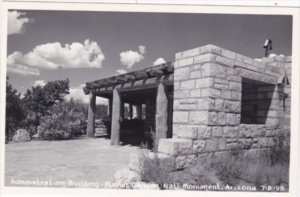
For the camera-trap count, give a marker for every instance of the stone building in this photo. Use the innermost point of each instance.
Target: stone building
(208, 100)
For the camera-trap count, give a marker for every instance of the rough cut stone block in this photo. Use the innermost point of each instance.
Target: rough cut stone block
(204, 82)
(185, 131)
(196, 93)
(175, 146)
(222, 118)
(217, 132)
(246, 143)
(219, 105)
(204, 132)
(205, 104)
(185, 161)
(228, 54)
(186, 85)
(230, 119)
(221, 81)
(198, 146)
(221, 86)
(236, 95)
(195, 74)
(211, 145)
(181, 73)
(180, 117)
(225, 94)
(190, 53)
(239, 57)
(248, 60)
(181, 94)
(263, 142)
(230, 132)
(212, 118)
(215, 93)
(235, 86)
(213, 70)
(185, 62)
(204, 58)
(225, 61)
(178, 56)
(198, 117)
(257, 131)
(210, 49)
(244, 131)
(232, 106)
(221, 144)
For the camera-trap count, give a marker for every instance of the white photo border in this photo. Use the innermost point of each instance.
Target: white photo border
(294, 154)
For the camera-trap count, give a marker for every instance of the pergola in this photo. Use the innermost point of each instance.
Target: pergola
(149, 89)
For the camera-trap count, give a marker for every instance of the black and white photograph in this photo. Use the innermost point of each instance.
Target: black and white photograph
(148, 100)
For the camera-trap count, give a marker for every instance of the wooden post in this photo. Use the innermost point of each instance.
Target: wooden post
(109, 110)
(130, 111)
(116, 119)
(91, 116)
(139, 111)
(161, 117)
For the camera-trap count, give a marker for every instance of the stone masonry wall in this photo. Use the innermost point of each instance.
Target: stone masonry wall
(208, 103)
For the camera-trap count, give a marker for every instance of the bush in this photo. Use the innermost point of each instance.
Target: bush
(154, 169)
(64, 121)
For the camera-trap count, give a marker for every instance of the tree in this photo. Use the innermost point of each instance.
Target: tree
(14, 111)
(66, 120)
(38, 100)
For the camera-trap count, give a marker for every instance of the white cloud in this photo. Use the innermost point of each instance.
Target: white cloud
(121, 71)
(142, 49)
(54, 56)
(77, 94)
(16, 22)
(22, 70)
(159, 61)
(129, 58)
(39, 83)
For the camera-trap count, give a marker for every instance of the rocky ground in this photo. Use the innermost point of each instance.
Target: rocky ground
(73, 163)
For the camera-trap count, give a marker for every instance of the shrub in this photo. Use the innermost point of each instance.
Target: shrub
(64, 121)
(230, 168)
(153, 168)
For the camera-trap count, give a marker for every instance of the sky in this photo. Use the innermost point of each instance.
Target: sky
(84, 46)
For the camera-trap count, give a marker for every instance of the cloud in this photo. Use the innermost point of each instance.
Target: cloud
(121, 71)
(142, 49)
(16, 22)
(54, 55)
(77, 94)
(159, 61)
(39, 83)
(129, 58)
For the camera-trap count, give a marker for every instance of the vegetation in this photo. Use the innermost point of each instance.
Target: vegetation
(43, 110)
(38, 100)
(14, 111)
(66, 120)
(237, 168)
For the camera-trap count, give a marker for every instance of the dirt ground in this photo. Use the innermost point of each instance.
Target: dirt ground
(73, 163)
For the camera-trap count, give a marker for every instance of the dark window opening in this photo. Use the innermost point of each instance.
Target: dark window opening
(256, 100)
